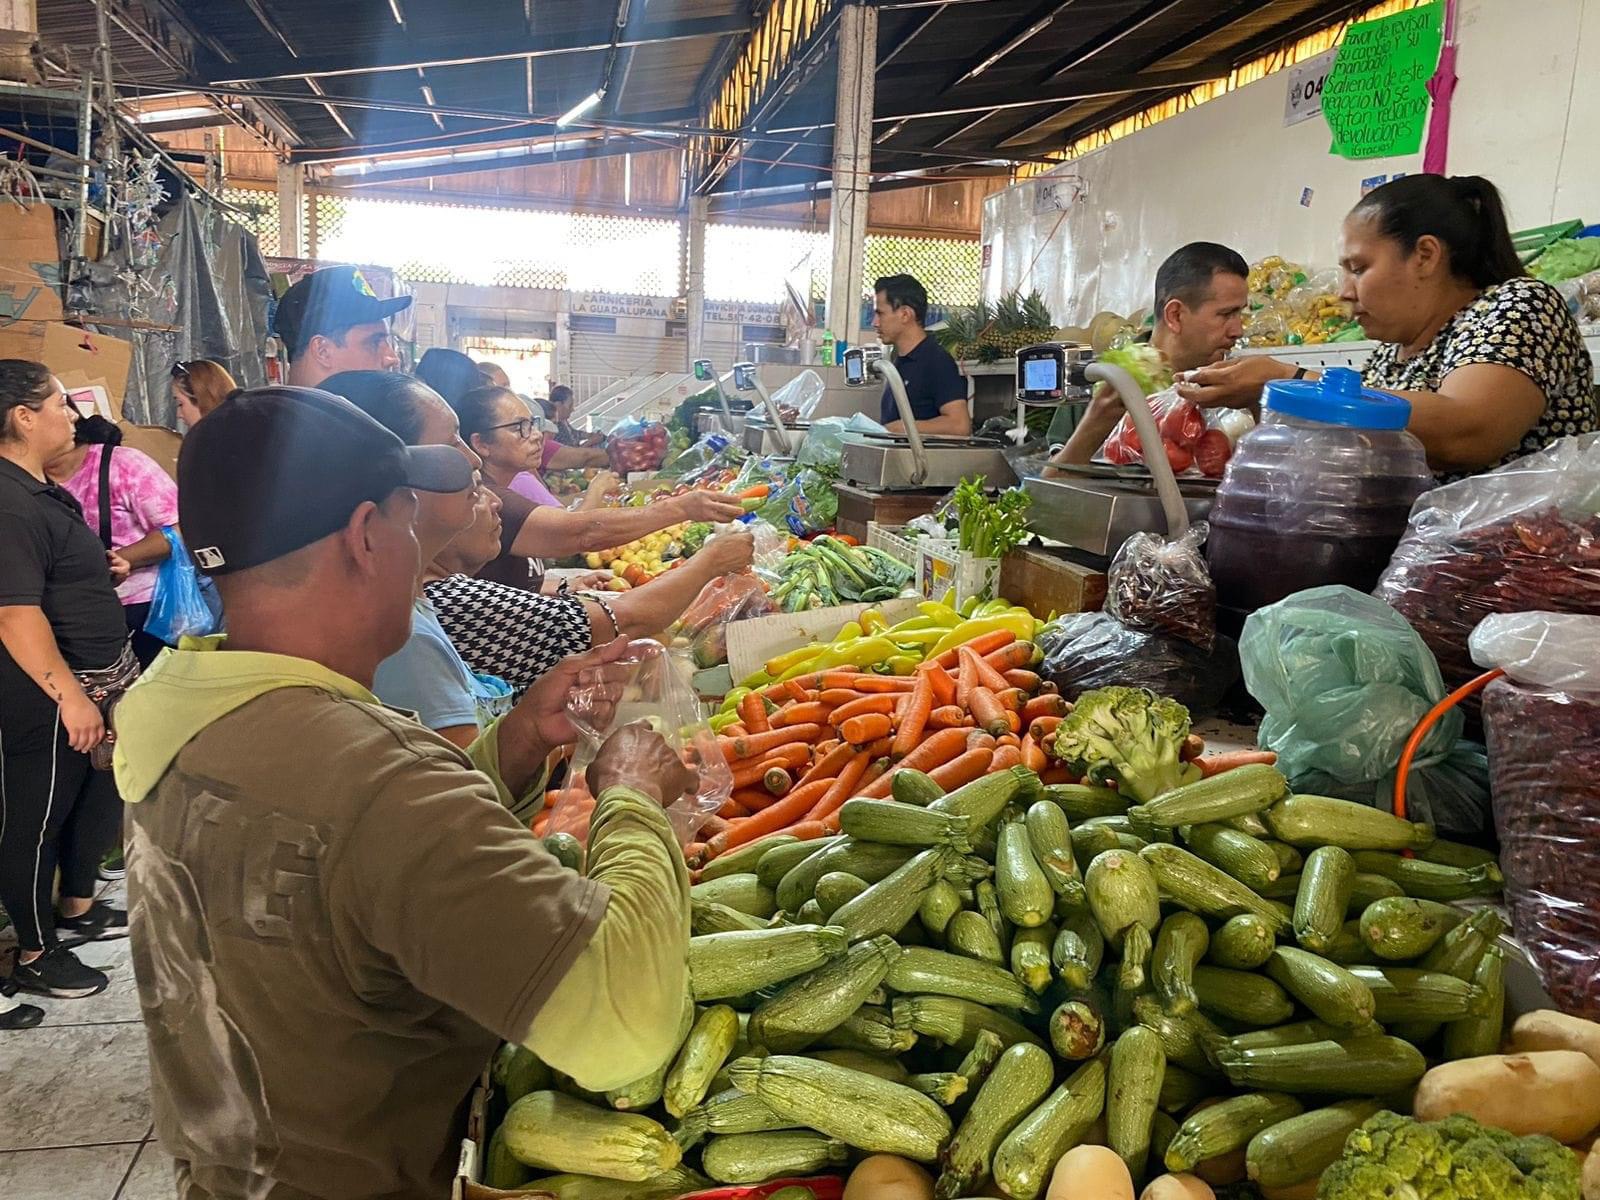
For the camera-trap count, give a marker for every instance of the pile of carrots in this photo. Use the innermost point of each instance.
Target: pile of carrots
(802, 747)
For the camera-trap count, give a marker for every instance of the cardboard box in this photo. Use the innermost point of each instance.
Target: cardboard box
(30, 263)
(159, 442)
(75, 356)
(752, 642)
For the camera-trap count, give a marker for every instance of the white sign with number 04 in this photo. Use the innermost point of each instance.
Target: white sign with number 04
(1304, 99)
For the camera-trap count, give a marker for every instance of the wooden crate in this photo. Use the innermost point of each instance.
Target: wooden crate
(1045, 581)
(858, 508)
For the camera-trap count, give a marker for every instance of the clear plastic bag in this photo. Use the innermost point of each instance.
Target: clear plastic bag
(178, 607)
(657, 692)
(1158, 586)
(799, 398)
(805, 504)
(1194, 445)
(1542, 723)
(824, 443)
(1084, 651)
(725, 599)
(1344, 681)
(1522, 538)
(696, 456)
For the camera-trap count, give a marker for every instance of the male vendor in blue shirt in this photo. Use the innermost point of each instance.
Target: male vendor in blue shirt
(934, 385)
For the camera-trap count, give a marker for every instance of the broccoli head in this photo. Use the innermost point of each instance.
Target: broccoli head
(1127, 736)
(1396, 1157)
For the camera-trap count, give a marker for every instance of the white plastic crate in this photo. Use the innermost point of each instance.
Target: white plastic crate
(891, 542)
(941, 567)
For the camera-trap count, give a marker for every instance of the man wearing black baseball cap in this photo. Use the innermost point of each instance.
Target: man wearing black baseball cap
(333, 321)
(334, 919)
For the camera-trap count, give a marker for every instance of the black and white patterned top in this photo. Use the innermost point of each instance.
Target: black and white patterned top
(1523, 324)
(509, 632)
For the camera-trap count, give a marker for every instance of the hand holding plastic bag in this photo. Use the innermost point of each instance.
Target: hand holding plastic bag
(1164, 587)
(178, 607)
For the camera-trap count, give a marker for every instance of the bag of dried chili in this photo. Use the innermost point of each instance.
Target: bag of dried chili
(1542, 723)
(1522, 538)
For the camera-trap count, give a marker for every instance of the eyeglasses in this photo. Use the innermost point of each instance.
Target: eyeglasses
(180, 370)
(523, 428)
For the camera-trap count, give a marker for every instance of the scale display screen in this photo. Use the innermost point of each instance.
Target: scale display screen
(1041, 375)
(855, 370)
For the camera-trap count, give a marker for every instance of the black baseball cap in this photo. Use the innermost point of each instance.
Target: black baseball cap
(273, 469)
(328, 301)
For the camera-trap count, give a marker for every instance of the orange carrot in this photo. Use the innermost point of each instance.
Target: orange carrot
(794, 691)
(882, 683)
(969, 766)
(825, 746)
(1032, 756)
(712, 825)
(791, 808)
(807, 831)
(986, 643)
(731, 809)
(1058, 773)
(915, 719)
(987, 675)
(937, 749)
(753, 713)
(541, 823)
(1216, 764)
(838, 696)
(779, 692)
(878, 768)
(751, 744)
(838, 679)
(965, 682)
(830, 764)
(751, 772)
(1005, 758)
(881, 703)
(805, 713)
(1009, 739)
(842, 788)
(947, 717)
(944, 687)
(1013, 656)
(1044, 706)
(1011, 699)
(1028, 681)
(1013, 720)
(868, 727)
(986, 709)
(1193, 747)
(694, 854)
(736, 729)
(752, 799)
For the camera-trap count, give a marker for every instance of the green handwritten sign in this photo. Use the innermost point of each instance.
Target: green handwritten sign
(1376, 98)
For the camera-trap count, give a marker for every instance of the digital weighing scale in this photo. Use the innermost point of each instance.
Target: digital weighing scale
(895, 462)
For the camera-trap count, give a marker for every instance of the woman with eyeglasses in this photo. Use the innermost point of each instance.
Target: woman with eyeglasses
(198, 387)
(502, 431)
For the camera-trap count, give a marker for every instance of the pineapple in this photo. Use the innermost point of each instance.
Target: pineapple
(987, 334)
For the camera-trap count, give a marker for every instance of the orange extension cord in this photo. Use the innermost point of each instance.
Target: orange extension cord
(1429, 720)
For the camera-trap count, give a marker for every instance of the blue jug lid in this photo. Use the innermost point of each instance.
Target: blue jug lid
(1338, 398)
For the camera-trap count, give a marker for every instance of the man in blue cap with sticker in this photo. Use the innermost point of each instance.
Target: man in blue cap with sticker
(333, 321)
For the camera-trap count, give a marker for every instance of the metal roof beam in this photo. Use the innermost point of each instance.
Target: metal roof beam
(450, 53)
(603, 148)
(1024, 31)
(1104, 42)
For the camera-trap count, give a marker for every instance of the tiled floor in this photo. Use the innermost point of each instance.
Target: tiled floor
(74, 1095)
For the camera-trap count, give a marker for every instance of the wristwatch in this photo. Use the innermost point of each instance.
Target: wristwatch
(1300, 372)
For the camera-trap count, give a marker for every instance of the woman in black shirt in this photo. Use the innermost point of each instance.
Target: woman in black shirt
(63, 654)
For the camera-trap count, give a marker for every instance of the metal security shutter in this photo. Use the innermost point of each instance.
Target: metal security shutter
(621, 355)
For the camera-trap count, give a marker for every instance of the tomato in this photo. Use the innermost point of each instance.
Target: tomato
(1182, 423)
(1212, 452)
(1178, 456)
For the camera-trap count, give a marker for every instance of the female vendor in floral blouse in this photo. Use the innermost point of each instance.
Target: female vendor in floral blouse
(1490, 359)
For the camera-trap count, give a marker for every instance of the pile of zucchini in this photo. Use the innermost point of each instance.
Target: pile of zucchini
(1226, 980)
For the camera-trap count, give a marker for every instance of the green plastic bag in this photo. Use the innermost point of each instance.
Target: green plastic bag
(1344, 680)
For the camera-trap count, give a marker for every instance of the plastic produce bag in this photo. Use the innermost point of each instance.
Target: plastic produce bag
(637, 446)
(805, 504)
(1344, 681)
(178, 608)
(1084, 651)
(725, 599)
(799, 398)
(1157, 586)
(824, 444)
(1542, 722)
(657, 692)
(1582, 296)
(696, 456)
(1191, 445)
(1522, 538)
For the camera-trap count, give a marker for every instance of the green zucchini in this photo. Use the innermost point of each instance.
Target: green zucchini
(811, 914)
(779, 860)
(645, 1091)
(1051, 838)
(1227, 1126)
(1081, 802)
(836, 889)
(887, 905)
(680, 1181)
(1030, 956)
(500, 1168)
(1180, 946)
(522, 1073)
(744, 892)
(1298, 1033)
(980, 1058)
(957, 1022)
(984, 798)
(758, 1157)
(1348, 946)
(942, 1087)
(1077, 1029)
(1250, 823)
(1162, 1130)
(1182, 1089)
(1479, 1032)
(970, 935)
(1398, 928)
(911, 786)
(1361, 1066)
(1327, 989)
(1133, 1086)
(868, 1113)
(897, 824)
(1018, 1082)
(1455, 854)
(1251, 861)
(939, 904)
(1407, 994)
(1078, 950)
(1459, 951)
(745, 859)
(1137, 947)
(1241, 996)
(872, 1029)
(1242, 943)
(706, 916)
(1195, 884)
(934, 973)
(799, 882)
(1122, 894)
(568, 851)
(1248, 789)
(1366, 887)
(738, 963)
(1091, 841)
(1284, 887)
(1184, 1038)
(880, 1065)
(987, 899)
(1431, 881)
(872, 861)
(734, 1111)
(559, 1133)
(1324, 821)
(1300, 1148)
(704, 1051)
(1026, 898)
(1323, 897)
(1025, 1159)
(812, 1004)
(1290, 860)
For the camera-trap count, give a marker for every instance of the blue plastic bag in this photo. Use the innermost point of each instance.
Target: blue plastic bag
(178, 608)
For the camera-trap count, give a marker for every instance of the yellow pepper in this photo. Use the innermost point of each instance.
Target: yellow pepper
(911, 623)
(863, 652)
(1019, 623)
(940, 614)
(756, 679)
(920, 637)
(778, 665)
(873, 621)
(969, 606)
(848, 632)
(722, 720)
(902, 664)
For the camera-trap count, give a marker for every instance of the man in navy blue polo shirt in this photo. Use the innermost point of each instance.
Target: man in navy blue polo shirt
(934, 385)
